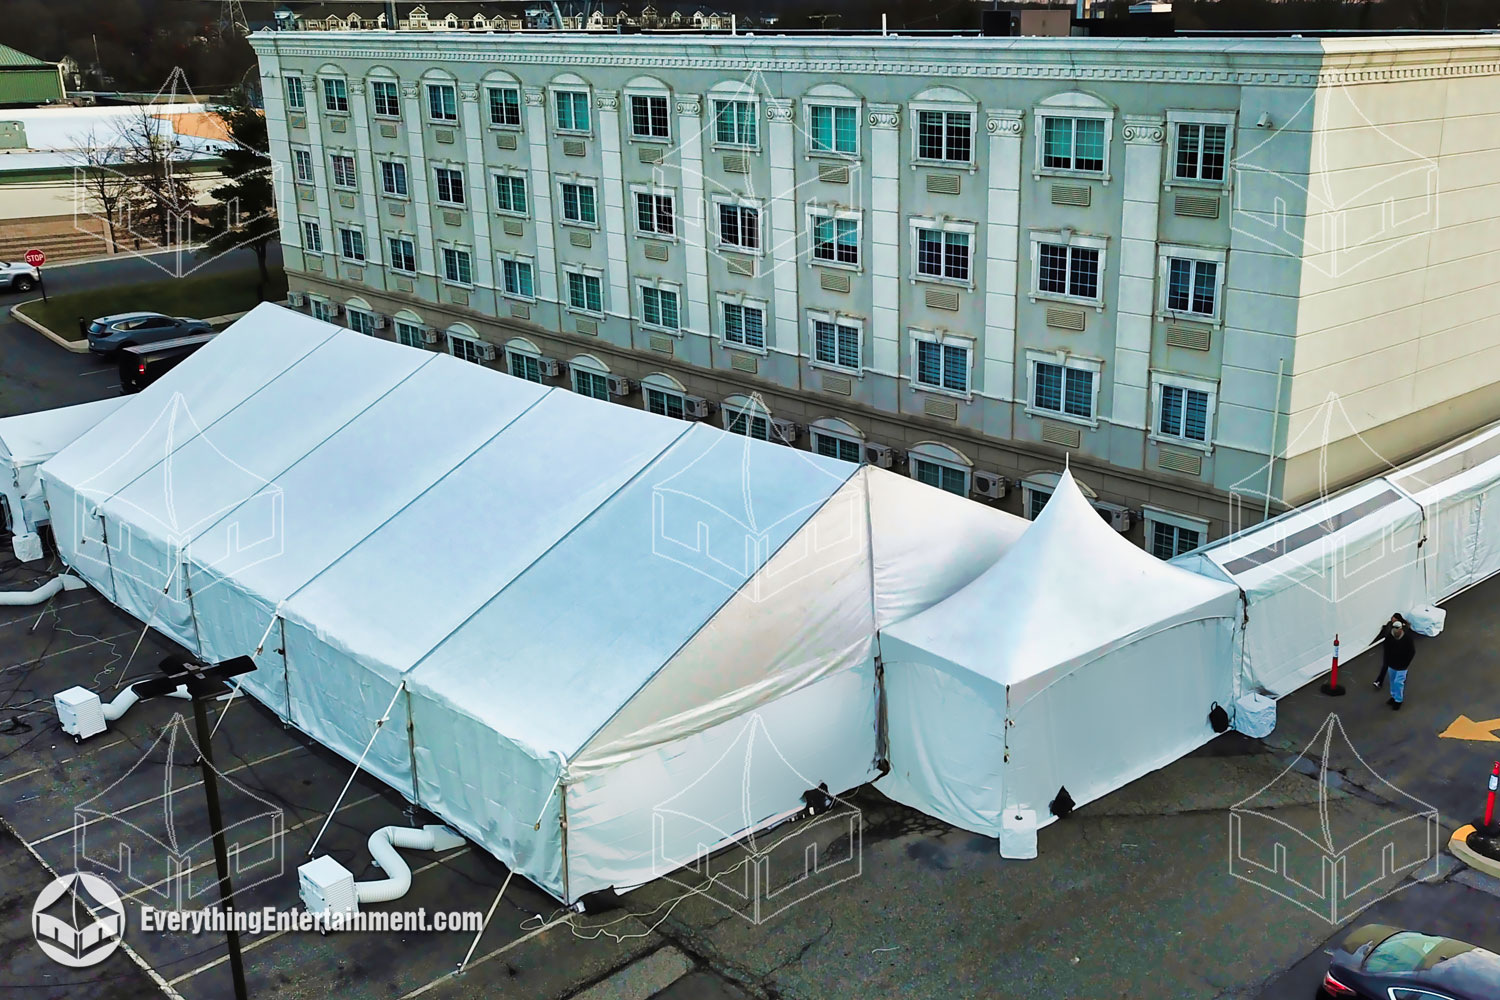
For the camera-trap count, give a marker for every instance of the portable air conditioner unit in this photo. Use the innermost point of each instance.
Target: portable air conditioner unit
(486, 352)
(881, 456)
(334, 309)
(430, 335)
(989, 485)
(80, 712)
(380, 321)
(620, 386)
(696, 407)
(549, 367)
(296, 300)
(785, 430)
(327, 889)
(1119, 518)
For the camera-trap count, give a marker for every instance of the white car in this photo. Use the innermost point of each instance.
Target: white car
(18, 275)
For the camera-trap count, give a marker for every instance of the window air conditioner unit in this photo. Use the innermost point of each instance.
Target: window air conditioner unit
(785, 430)
(334, 309)
(696, 407)
(620, 386)
(989, 485)
(380, 321)
(486, 352)
(880, 455)
(1119, 518)
(549, 367)
(430, 335)
(296, 300)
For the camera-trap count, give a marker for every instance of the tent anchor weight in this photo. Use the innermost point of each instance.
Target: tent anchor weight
(1333, 688)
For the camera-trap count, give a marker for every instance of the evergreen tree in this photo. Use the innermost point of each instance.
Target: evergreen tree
(245, 213)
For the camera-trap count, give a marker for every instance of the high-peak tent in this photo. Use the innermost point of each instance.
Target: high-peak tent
(570, 610)
(1077, 661)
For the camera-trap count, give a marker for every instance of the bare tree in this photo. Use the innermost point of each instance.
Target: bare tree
(98, 183)
(160, 201)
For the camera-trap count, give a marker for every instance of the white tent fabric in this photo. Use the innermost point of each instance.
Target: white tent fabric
(571, 612)
(28, 440)
(1077, 661)
(1459, 490)
(1340, 566)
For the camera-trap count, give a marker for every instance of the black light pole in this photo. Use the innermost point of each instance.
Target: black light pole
(203, 683)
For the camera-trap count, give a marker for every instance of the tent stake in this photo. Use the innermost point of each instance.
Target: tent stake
(484, 926)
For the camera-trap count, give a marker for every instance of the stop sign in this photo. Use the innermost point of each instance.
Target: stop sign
(35, 257)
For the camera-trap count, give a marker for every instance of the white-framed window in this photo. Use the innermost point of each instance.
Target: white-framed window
(835, 446)
(1184, 409)
(655, 213)
(579, 203)
(386, 98)
(296, 94)
(442, 103)
(343, 170)
(833, 127)
(465, 348)
(360, 320)
(335, 95)
(942, 251)
(321, 309)
(302, 163)
(941, 363)
(523, 360)
(665, 402)
(648, 116)
(572, 108)
(660, 308)
(834, 237)
(747, 417)
(510, 193)
(409, 333)
(836, 340)
(1073, 133)
(393, 179)
(516, 278)
(739, 226)
(352, 245)
(1170, 534)
(944, 135)
(585, 292)
(1069, 267)
(403, 254)
(312, 236)
(1192, 283)
(736, 123)
(743, 323)
(450, 185)
(588, 380)
(505, 106)
(1202, 143)
(1063, 387)
(1034, 500)
(458, 266)
(939, 466)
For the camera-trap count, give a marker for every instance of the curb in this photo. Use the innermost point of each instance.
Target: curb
(76, 346)
(1459, 845)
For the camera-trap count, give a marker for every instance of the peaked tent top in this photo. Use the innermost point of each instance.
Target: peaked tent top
(1070, 587)
(35, 437)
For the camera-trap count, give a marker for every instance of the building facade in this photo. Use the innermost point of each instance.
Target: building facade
(1215, 276)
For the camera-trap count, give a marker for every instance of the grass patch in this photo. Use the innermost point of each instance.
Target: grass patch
(196, 296)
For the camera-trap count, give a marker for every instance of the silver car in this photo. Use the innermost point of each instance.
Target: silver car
(19, 275)
(108, 334)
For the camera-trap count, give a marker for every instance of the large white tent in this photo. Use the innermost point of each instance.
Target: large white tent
(1077, 661)
(29, 439)
(1459, 490)
(568, 611)
(1337, 567)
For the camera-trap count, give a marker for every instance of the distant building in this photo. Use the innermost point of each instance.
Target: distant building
(26, 81)
(567, 15)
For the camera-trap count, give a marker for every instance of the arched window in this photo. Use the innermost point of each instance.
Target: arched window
(1073, 132)
(1037, 488)
(747, 415)
(409, 329)
(361, 317)
(664, 395)
(943, 127)
(523, 359)
(941, 466)
(837, 438)
(590, 376)
(466, 344)
(831, 118)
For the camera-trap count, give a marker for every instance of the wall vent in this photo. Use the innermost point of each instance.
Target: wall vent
(453, 218)
(513, 227)
(346, 200)
(579, 239)
(443, 135)
(574, 147)
(297, 120)
(833, 281)
(740, 265)
(744, 363)
(833, 173)
(505, 140)
(1194, 338)
(1065, 319)
(736, 163)
(338, 124)
(403, 284)
(1068, 437)
(661, 343)
(839, 384)
(1197, 206)
(650, 154)
(1077, 195)
(520, 310)
(458, 296)
(943, 184)
(588, 328)
(655, 251)
(1187, 462)
(942, 298)
(387, 130)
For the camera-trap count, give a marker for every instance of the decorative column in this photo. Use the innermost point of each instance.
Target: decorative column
(694, 231)
(885, 238)
(478, 194)
(283, 172)
(365, 158)
(540, 184)
(782, 253)
(321, 187)
(1135, 301)
(1002, 241)
(416, 177)
(608, 104)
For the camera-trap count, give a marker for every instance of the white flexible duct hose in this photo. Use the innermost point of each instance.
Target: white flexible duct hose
(18, 598)
(383, 844)
(122, 701)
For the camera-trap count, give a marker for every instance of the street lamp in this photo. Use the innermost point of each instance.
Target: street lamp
(202, 683)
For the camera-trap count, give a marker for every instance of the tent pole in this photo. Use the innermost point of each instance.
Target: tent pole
(562, 823)
(411, 810)
(286, 674)
(1265, 513)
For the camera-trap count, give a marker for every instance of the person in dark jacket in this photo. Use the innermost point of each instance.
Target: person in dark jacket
(1396, 651)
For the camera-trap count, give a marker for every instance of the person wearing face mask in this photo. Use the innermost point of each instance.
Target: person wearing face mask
(1397, 650)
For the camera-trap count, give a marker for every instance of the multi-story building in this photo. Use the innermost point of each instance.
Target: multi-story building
(1201, 270)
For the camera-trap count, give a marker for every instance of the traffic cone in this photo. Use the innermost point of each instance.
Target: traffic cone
(1333, 688)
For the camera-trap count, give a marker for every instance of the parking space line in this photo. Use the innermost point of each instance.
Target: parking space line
(60, 607)
(486, 957)
(157, 798)
(66, 649)
(18, 777)
(267, 939)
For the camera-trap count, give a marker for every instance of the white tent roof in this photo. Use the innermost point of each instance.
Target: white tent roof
(1069, 590)
(1465, 465)
(29, 438)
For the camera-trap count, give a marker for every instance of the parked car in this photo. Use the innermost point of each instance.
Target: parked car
(144, 364)
(1377, 962)
(109, 334)
(19, 276)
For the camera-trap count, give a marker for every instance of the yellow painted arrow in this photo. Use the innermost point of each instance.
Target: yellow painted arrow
(1465, 728)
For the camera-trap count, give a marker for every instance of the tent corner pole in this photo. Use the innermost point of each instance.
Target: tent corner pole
(411, 753)
(1265, 513)
(562, 825)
